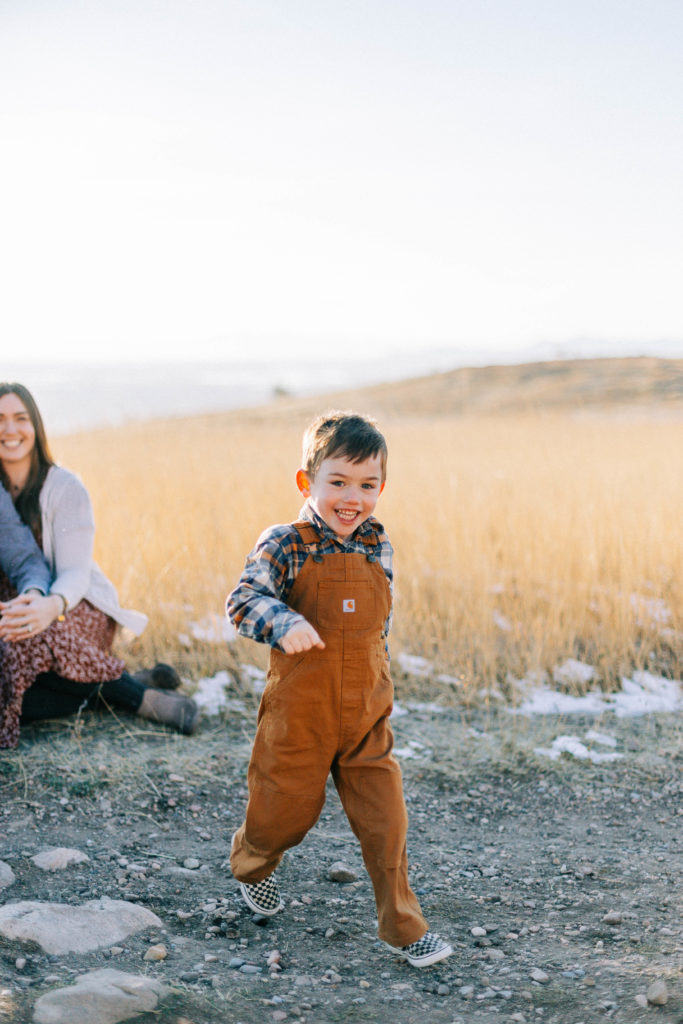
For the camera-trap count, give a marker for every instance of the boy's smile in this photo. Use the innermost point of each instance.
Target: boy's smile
(343, 493)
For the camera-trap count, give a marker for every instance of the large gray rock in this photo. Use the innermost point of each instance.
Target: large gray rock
(106, 997)
(6, 875)
(60, 928)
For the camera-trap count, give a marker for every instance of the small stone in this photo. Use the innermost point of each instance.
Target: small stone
(278, 1015)
(20, 963)
(236, 961)
(641, 1000)
(191, 863)
(274, 957)
(184, 915)
(657, 993)
(495, 954)
(443, 990)
(329, 933)
(478, 932)
(157, 952)
(540, 976)
(116, 950)
(340, 872)
(58, 858)
(210, 958)
(613, 917)
(302, 979)
(250, 969)
(363, 983)
(466, 991)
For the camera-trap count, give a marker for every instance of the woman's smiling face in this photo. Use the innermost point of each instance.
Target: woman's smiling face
(343, 493)
(17, 433)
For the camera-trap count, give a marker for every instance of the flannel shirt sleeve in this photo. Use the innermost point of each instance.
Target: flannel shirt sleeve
(256, 606)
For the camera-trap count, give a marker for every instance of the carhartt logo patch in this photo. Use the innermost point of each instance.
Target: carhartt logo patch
(349, 605)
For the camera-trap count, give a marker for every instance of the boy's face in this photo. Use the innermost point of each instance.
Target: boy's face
(343, 493)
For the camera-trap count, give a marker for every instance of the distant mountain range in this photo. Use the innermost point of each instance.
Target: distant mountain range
(649, 384)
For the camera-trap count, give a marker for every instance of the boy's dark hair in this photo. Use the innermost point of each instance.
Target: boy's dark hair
(342, 434)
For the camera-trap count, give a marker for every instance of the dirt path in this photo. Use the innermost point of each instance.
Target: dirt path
(569, 872)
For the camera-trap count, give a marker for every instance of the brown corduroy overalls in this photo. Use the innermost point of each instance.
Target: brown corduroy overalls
(328, 711)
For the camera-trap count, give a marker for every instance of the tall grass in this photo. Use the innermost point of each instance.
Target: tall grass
(520, 541)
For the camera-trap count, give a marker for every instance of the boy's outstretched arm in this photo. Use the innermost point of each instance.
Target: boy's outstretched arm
(257, 604)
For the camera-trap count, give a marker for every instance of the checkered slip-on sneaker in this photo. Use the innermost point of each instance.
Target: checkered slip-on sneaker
(427, 950)
(264, 897)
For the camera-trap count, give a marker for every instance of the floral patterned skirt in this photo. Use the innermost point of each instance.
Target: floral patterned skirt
(78, 648)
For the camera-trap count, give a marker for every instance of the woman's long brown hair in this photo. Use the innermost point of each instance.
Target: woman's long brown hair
(27, 502)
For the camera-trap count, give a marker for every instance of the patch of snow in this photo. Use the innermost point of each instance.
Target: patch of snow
(449, 680)
(414, 665)
(435, 709)
(601, 737)
(573, 745)
(573, 673)
(257, 676)
(503, 624)
(413, 749)
(492, 691)
(643, 694)
(649, 610)
(545, 701)
(210, 694)
(213, 629)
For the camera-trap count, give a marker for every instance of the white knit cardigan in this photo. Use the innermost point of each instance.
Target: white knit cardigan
(68, 537)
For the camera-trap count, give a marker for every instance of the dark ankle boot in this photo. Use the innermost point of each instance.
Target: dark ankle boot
(172, 709)
(161, 677)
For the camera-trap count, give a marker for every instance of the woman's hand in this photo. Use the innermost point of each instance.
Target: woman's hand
(27, 615)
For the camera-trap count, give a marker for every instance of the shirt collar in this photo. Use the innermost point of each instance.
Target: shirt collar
(368, 526)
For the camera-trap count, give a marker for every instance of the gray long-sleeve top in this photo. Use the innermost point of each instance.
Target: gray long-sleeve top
(20, 557)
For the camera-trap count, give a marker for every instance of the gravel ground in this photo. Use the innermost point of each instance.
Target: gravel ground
(556, 882)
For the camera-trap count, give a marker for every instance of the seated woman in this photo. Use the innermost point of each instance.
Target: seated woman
(54, 646)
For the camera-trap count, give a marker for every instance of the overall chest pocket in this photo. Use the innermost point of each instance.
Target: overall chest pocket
(347, 606)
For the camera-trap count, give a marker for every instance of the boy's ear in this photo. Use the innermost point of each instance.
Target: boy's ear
(303, 482)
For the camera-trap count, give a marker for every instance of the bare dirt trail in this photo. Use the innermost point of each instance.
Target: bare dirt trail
(557, 883)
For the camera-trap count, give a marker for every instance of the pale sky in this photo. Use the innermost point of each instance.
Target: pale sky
(209, 180)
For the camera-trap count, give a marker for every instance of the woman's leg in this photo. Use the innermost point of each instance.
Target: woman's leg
(53, 696)
(50, 696)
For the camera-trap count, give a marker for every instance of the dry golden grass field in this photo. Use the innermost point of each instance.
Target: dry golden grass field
(531, 522)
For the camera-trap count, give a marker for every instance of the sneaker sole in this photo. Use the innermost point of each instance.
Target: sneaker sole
(423, 961)
(255, 907)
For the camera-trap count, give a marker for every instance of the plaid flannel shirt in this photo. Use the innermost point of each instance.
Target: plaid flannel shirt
(258, 605)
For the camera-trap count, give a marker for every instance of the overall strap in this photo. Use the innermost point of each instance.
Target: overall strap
(311, 539)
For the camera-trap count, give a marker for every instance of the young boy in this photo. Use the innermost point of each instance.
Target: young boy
(319, 592)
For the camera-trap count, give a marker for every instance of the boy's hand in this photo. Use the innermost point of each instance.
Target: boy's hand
(301, 637)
